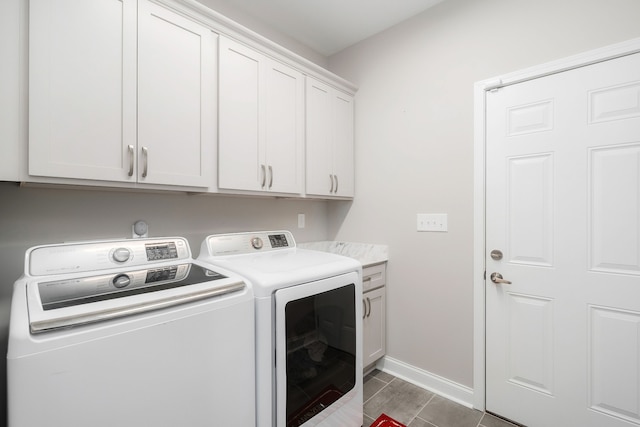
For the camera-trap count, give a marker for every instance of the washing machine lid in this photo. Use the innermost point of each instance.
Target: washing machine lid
(69, 291)
(72, 301)
(270, 260)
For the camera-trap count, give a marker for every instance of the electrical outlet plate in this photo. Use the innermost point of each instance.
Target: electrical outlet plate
(432, 222)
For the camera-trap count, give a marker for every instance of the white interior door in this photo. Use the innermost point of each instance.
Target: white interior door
(563, 207)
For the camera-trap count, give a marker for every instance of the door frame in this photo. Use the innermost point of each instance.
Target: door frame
(479, 137)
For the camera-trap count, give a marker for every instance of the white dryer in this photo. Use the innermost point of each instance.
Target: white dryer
(308, 327)
(129, 333)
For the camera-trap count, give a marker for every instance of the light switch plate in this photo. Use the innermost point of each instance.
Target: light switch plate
(432, 222)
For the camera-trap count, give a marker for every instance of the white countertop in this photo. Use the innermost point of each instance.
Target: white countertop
(367, 254)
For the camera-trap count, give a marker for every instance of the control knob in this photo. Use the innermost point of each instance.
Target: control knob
(121, 255)
(121, 281)
(256, 242)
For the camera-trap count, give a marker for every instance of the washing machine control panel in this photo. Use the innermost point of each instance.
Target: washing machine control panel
(101, 255)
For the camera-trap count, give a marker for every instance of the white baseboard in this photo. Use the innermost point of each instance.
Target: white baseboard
(434, 383)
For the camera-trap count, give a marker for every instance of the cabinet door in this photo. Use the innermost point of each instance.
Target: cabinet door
(343, 160)
(240, 165)
(284, 133)
(329, 133)
(11, 82)
(176, 98)
(82, 73)
(374, 326)
(319, 136)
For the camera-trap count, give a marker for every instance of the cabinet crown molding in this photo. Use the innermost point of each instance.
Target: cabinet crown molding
(227, 27)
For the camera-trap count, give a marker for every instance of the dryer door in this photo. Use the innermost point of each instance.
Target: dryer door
(318, 352)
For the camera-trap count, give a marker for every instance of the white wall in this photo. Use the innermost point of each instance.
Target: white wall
(414, 150)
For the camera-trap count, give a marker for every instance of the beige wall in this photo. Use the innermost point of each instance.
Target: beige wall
(233, 12)
(414, 150)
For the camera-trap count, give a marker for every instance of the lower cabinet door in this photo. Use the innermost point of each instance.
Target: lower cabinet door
(374, 326)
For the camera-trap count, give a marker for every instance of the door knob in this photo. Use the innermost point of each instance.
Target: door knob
(497, 278)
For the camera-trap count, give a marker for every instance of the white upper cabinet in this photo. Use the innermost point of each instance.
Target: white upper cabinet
(120, 91)
(329, 141)
(284, 128)
(82, 73)
(176, 98)
(261, 122)
(146, 94)
(11, 88)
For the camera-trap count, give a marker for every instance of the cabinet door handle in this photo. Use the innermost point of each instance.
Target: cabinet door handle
(270, 177)
(331, 179)
(264, 175)
(145, 156)
(130, 149)
(369, 303)
(336, 177)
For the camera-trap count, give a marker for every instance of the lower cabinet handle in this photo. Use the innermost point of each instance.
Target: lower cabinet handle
(130, 149)
(264, 175)
(336, 177)
(270, 177)
(145, 168)
(369, 302)
(331, 179)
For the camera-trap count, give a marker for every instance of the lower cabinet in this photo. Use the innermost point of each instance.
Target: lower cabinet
(373, 314)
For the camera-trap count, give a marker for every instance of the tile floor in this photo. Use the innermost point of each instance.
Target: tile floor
(417, 407)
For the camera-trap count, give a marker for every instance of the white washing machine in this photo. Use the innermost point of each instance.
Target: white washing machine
(308, 327)
(129, 333)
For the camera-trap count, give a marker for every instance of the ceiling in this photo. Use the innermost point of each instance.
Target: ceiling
(329, 26)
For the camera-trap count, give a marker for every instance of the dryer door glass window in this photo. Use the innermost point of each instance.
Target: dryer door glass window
(321, 351)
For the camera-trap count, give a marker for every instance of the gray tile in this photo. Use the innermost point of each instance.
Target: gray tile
(382, 376)
(367, 421)
(400, 400)
(445, 413)
(489, 420)
(418, 422)
(371, 386)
